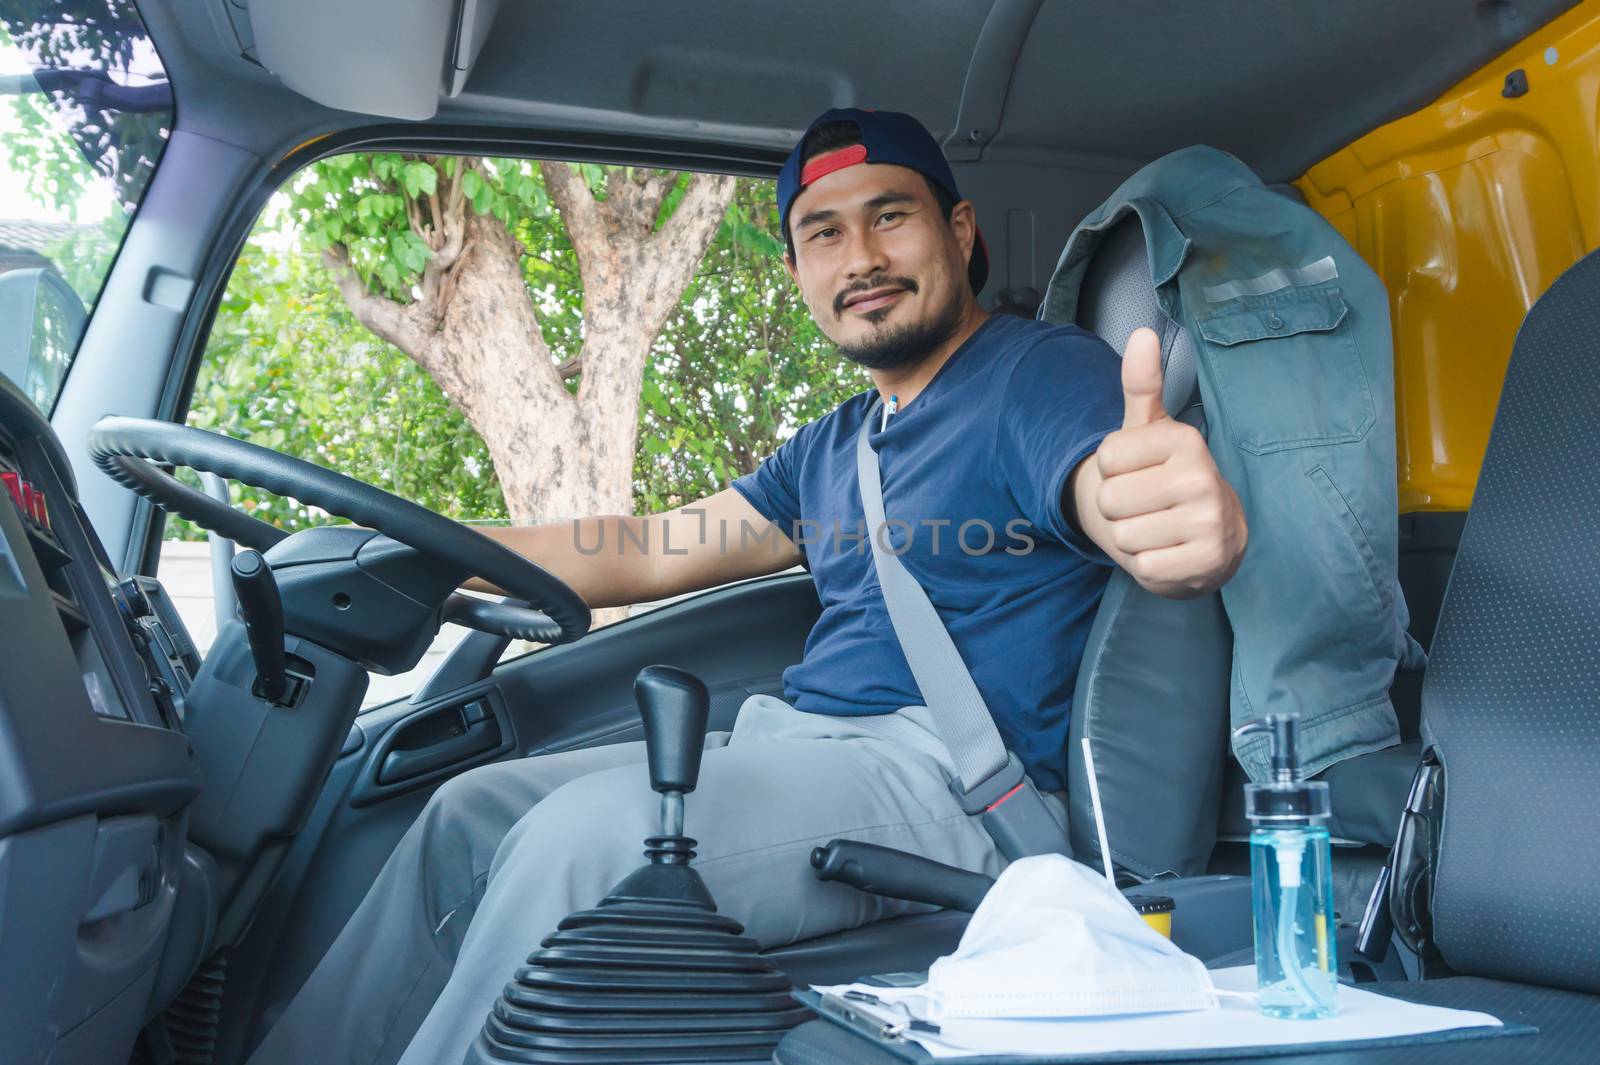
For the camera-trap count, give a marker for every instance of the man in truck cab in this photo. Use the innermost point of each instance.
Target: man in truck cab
(1020, 461)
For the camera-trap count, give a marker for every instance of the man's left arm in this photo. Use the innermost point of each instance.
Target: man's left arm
(1152, 497)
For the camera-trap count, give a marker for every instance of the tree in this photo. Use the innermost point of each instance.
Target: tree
(739, 366)
(429, 254)
(287, 366)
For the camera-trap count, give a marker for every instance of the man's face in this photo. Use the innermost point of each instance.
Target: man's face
(882, 270)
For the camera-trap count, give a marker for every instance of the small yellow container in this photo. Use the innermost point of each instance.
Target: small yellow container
(1156, 911)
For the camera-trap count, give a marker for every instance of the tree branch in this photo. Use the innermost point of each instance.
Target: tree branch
(577, 205)
(702, 208)
(436, 230)
(454, 220)
(450, 230)
(656, 188)
(382, 316)
(617, 182)
(414, 218)
(690, 229)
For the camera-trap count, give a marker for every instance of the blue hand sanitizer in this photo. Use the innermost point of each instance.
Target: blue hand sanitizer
(1291, 881)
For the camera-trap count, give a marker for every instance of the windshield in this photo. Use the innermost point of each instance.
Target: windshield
(85, 109)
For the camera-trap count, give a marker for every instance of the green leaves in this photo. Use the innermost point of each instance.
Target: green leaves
(409, 250)
(420, 179)
(752, 230)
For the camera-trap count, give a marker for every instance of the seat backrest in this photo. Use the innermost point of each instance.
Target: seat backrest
(1511, 700)
(1158, 734)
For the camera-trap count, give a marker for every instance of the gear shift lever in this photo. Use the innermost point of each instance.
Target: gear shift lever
(675, 706)
(653, 973)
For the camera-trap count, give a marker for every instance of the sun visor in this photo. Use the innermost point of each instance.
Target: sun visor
(410, 53)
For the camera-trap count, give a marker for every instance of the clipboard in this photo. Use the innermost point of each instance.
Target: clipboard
(887, 1031)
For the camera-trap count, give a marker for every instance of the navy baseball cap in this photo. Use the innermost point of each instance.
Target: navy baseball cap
(888, 137)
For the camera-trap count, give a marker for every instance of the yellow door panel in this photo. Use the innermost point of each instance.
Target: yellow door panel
(1468, 209)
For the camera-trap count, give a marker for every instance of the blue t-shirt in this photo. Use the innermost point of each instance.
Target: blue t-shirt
(973, 469)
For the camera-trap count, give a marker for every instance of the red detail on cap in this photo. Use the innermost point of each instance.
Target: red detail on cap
(823, 165)
(1003, 798)
(41, 513)
(13, 483)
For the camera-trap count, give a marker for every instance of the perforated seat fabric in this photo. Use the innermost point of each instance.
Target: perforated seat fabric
(1117, 298)
(1512, 695)
(1161, 799)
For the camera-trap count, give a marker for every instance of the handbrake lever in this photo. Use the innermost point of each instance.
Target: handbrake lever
(885, 871)
(261, 608)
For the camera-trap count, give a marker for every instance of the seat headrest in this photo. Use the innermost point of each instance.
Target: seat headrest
(1119, 297)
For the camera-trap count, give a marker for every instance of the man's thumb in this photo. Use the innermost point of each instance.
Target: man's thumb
(1141, 379)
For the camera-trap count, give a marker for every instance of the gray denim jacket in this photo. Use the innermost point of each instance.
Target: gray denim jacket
(1296, 371)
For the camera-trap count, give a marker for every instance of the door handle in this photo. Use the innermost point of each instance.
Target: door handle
(480, 736)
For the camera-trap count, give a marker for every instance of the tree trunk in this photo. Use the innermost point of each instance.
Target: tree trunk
(559, 455)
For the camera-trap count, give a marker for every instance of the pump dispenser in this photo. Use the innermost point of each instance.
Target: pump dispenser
(1291, 880)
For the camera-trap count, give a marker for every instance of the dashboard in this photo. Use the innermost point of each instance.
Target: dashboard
(148, 797)
(167, 656)
(99, 881)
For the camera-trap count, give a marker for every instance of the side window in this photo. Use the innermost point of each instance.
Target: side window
(453, 329)
(85, 109)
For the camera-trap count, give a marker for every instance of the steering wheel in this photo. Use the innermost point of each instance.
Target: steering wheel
(125, 449)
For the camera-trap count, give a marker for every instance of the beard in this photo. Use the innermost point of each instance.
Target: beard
(900, 346)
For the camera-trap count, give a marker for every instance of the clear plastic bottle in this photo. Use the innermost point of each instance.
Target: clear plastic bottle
(1291, 883)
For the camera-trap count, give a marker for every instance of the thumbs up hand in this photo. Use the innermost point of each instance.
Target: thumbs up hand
(1152, 496)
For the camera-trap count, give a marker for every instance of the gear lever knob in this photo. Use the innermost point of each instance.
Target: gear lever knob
(675, 706)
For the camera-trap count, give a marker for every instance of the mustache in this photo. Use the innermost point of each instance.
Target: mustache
(881, 281)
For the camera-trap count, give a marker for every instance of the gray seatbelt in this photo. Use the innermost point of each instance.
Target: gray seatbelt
(992, 781)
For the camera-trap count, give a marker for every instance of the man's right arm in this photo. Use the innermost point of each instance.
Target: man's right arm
(618, 561)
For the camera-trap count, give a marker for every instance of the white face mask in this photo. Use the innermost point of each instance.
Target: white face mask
(1053, 939)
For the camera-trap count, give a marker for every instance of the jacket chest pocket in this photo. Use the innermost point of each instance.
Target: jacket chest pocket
(1288, 371)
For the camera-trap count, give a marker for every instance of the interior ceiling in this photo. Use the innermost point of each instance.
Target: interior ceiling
(1101, 85)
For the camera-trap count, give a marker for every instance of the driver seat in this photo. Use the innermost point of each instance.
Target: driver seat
(1161, 811)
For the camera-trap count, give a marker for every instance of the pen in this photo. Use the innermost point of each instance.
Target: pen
(894, 1029)
(888, 409)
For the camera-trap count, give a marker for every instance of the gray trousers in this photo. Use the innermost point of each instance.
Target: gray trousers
(502, 853)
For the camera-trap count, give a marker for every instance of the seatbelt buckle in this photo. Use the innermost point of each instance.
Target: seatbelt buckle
(1014, 813)
(993, 790)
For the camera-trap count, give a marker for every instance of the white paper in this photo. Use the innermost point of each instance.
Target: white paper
(1234, 1025)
